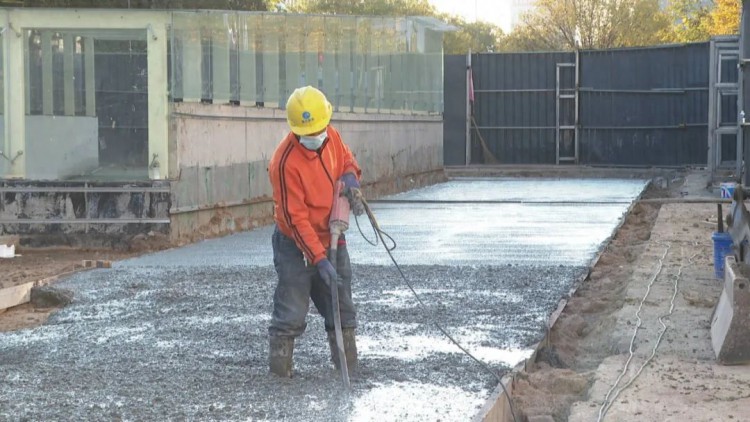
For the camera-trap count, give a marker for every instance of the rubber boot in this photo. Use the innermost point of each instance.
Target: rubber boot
(280, 353)
(350, 348)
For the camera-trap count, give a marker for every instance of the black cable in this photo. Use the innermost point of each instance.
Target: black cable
(376, 231)
(380, 233)
(375, 243)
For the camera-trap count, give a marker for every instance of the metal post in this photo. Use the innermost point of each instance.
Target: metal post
(468, 107)
(557, 114)
(8, 111)
(739, 150)
(744, 73)
(712, 154)
(86, 206)
(352, 64)
(27, 71)
(577, 89)
(744, 96)
(69, 100)
(90, 82)
(47, 91)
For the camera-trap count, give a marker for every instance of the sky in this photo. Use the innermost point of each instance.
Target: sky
(493, 11)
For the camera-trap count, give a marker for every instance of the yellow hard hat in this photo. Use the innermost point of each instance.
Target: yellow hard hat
(308, 111)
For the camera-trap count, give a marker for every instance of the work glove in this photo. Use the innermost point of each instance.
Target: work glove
(327, 272)
(353, 193)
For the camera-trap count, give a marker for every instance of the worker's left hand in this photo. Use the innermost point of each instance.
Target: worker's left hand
(353, 193)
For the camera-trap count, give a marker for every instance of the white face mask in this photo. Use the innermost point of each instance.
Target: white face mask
(313, 142)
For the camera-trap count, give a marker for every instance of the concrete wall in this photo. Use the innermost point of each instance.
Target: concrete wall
(220, 156)
(58, 147)
(218, 181)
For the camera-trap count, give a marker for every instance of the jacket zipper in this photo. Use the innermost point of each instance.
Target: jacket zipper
(320, 157)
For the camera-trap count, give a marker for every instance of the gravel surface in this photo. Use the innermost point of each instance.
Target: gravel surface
(182, 334)
(166, 343)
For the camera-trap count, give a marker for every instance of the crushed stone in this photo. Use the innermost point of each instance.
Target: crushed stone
(191, 343)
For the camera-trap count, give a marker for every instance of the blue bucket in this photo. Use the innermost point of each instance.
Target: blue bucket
(727, 190)
(722, 248)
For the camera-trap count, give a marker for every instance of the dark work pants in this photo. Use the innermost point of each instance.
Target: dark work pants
(298, 283)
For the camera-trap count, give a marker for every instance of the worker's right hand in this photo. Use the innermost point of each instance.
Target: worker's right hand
(353, 193)
(327, 272)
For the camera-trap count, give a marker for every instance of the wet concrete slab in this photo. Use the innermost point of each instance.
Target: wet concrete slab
(182, 334)
(529, 190)
(554, 233)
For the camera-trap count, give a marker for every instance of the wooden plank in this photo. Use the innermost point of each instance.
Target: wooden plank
(498, 409)
(16, 295)
(20, 294)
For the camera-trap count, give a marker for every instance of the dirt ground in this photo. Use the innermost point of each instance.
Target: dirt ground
(35, 265)
(588, 347)
(41, 264)
(577, 369)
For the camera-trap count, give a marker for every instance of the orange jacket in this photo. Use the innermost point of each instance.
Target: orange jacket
(302, 182)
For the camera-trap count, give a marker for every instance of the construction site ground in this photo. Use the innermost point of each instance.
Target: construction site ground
(577, 366)
(583, 364)
(35, 265)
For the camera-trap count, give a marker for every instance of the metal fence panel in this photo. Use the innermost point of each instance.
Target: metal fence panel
(637, 106)
(454, 119)
(514, 108)
(646, 106)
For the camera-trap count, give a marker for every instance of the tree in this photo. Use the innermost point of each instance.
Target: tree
(725, 17)
(688, 21)
(367, 7)
(479, 37)
(527, 37)
(693, 20)
(588, 24)
(255, 5)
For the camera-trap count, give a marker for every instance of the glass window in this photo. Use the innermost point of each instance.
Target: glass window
(363, 64)
(87, 105)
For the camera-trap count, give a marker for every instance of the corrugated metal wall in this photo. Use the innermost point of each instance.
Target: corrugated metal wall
(514, 106)
(645, 106)
(454, 117)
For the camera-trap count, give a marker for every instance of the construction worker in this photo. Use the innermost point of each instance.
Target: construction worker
(302, 171)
